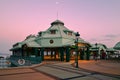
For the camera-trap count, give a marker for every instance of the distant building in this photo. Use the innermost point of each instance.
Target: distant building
(57, 41)
(98, 47)
(98, 50)
(117, 46)
(111, 50)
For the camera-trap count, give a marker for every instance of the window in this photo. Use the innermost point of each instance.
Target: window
(51, 41)
(53, 31)
(67, 32)
(70, 33)
(40, 33)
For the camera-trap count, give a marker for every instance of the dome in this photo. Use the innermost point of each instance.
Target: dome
(117, 46)
(57, 22)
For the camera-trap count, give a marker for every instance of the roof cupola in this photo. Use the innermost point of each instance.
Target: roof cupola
(57, 22)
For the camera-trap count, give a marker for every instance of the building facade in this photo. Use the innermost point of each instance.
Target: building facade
(56, 43)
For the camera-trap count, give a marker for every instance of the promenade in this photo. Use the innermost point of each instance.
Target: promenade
(23, 74)
(55, 70)
(102, 66)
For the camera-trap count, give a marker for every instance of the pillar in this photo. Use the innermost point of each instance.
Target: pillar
(36, 52)
(42, 54)
(67, 54)
(82, 54)
(55, 55)
(22, 53)
(19, 53)
(51, 54)
(28, 53)
(61, 54)
(47, 52)
(87, 53)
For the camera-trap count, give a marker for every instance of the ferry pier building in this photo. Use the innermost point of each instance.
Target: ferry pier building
(56, 43)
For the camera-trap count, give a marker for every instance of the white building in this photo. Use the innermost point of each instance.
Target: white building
(57, 40)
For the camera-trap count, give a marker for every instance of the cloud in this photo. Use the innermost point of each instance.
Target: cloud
(112, 35)
(99, 39)
(107, 37)
(93, 39)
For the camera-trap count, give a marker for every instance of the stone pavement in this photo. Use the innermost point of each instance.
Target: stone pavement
(55, 70)
(65, 71)
(101, 66)
(22, 74)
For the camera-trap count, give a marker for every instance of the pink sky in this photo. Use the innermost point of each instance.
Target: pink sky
(95, 20)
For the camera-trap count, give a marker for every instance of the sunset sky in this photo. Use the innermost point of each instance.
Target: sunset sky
(97, 21)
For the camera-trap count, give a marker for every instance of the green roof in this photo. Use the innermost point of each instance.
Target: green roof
(117, 46)
(99, 46)
(62, 37)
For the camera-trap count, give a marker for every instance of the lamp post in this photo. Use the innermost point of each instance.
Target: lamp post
(96, 53)
(76, 42)
(96, 47)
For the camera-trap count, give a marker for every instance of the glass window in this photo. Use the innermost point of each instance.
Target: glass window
(53, 31)
(70, 33)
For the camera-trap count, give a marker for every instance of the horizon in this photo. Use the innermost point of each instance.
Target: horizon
(97, 21)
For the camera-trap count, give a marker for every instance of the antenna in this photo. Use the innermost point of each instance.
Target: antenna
(57, 15)
(57, 9)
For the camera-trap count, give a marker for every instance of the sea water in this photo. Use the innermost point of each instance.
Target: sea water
(4, 63)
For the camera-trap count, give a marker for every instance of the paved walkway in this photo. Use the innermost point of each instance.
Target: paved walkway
(88, 70)
(22, 74)
(101, 66)
(65, 71)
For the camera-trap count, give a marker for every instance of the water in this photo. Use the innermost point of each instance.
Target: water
(5, 55)
(4, 63)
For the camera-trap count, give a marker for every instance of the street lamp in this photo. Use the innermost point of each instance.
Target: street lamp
(96, 46)
(76, 42)
(96, 52)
